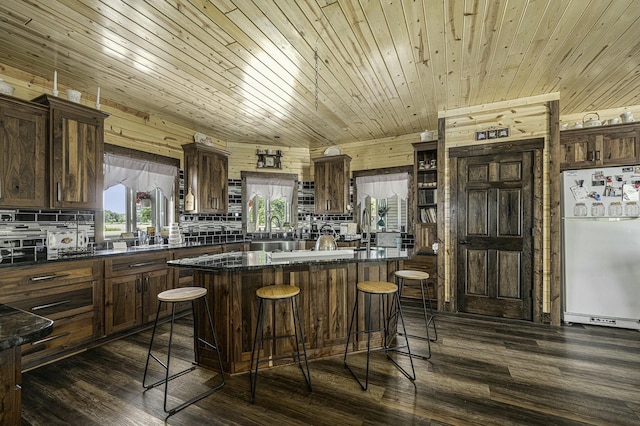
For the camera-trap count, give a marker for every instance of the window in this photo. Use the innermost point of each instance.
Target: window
(384, 197)
(138, 194)
(270, 201)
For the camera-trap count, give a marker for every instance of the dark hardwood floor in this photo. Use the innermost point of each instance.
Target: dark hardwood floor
(483, 372)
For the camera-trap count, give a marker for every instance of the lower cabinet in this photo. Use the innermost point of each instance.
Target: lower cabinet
(69, 293)
(131, 288)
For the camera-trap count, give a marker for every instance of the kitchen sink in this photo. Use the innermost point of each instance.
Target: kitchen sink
(276, 245)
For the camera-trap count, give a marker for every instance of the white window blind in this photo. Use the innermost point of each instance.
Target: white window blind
(139, 175)
(383, 186)
(270, 188)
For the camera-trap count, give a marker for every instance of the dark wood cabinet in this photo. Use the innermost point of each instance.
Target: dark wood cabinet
(131, 288)
(332, 175)
(616, 145)
(23, 153)
(69, 293)
(76, 144)
(206, 172)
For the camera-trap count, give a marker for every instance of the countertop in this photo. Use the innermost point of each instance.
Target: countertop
(260, 259)
(18, 327)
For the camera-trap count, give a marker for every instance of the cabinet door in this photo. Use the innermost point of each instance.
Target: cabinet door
(620, 148)
(578, 151)
(332, 185)
(22, 155)
(321, 194)
(122, 299)
(154, 283)
(76, 160)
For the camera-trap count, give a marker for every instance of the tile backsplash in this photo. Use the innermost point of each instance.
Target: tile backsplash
(23, 232)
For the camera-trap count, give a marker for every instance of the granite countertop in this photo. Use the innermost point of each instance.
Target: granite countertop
(18, 327)
(260, 259)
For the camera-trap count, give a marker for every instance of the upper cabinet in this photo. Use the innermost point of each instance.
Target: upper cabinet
(206, 170)
(76, 143)
(23, 153)
(425, 175)
(331, 175)
(615, 145)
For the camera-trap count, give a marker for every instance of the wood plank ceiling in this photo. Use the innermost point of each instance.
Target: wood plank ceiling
(245, 71)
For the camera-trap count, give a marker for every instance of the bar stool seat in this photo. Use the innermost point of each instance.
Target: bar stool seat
(276, 293)
(429, 318)
(381, 289)
(173, 296)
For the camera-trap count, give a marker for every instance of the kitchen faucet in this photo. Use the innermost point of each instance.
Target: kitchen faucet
(278, 223)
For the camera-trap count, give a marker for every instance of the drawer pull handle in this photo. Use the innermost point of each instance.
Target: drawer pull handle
(50, 305)
(59, 191)
(49, 277)
(49, 339)
(139, 265)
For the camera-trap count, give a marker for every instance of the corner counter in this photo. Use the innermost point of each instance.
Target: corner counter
(327, 295)
(16, 328)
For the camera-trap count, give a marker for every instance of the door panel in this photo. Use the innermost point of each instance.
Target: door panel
(495, 256)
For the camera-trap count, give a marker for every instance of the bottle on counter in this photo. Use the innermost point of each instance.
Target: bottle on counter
(189, 201)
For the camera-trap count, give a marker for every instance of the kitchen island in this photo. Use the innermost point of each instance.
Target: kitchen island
(17, 327)
(327, 293)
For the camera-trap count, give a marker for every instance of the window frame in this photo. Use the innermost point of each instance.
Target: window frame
(146, 156)
(293, 208)
(386, 171)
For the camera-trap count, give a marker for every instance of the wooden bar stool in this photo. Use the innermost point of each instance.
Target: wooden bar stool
(184, 294)
(381, 289)
(429, 318)
(275, 293)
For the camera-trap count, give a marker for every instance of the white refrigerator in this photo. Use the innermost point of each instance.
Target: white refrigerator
(601, 246)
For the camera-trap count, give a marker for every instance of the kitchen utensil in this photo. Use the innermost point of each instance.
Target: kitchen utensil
(74, 95)
(592, 122)
(326, 242)
(614, 120)
(627, 117)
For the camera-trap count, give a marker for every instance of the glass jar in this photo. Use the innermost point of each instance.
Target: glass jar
(631, 209)
(597, 210)
(580, 209)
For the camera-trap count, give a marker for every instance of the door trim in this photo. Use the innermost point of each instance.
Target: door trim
(536, 145)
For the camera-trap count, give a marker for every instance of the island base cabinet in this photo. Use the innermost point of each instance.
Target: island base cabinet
(10, 393)
(327, 296)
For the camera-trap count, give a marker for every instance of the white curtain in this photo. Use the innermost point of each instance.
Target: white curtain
(270, 189)
(383, 186)
(139, 175)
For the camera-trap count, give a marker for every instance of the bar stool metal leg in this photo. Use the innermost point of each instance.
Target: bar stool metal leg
(395, 310)
(198, 344)
(281, 292)
(429, 317)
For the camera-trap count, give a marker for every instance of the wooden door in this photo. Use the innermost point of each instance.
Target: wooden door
(123, 306)
(495, 244)
(22, 155)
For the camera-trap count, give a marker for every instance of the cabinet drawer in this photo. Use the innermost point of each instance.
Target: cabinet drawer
(67, 333)
(57, 302)
(29, 278)
(126, 265)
